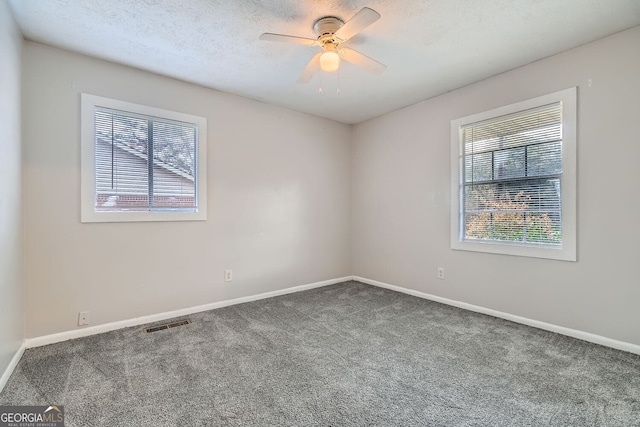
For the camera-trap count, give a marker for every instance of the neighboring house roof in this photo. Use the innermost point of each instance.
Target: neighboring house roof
(119, 169)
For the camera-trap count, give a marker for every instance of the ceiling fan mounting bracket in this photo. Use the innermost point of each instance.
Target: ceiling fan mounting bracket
(326, 27)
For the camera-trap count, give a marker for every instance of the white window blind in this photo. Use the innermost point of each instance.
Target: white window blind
(511, 177)
(144, 163)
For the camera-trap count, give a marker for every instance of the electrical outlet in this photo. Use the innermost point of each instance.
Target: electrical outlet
(83, 318)
(228, 275)
(440, 274)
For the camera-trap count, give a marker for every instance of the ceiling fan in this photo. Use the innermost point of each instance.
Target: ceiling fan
(331, 33)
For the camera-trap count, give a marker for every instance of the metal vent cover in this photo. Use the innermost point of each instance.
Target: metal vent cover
(164, 326)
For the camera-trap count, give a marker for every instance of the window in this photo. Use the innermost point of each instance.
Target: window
(514, 179)
(141, 163)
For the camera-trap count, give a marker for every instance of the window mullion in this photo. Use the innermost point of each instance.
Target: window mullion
(150, 162)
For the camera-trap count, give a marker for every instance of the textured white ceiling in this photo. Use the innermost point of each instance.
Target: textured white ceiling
(429, 46)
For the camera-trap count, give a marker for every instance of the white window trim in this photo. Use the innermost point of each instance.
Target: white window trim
(567, 250)
(87, 163)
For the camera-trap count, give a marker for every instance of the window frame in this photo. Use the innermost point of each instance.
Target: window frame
(566, 251)
(88, 213)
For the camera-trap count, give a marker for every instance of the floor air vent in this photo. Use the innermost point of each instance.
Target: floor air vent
(167, 325)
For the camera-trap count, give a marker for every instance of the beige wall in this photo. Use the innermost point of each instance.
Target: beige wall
(278, 201)
(11, 288)
(401, 181)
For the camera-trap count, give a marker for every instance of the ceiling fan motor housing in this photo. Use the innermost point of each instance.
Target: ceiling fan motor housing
(326, 27)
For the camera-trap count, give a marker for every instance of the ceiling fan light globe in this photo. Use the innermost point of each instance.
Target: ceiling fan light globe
(330, 61)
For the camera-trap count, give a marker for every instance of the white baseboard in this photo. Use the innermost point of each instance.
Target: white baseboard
(106, 327)
(585, 336)
(92, 330)
(12, 365)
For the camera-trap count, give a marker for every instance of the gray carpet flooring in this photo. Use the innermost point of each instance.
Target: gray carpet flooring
(343, 355)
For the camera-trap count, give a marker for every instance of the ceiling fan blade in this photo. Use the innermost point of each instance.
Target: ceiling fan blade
(359, 22)
(287, 39)
(310, 69)
(363, 61)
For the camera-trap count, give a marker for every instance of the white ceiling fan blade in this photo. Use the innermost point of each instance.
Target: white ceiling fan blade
(363, 61)
(359, 22)
(287, 39)
(310, 69)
